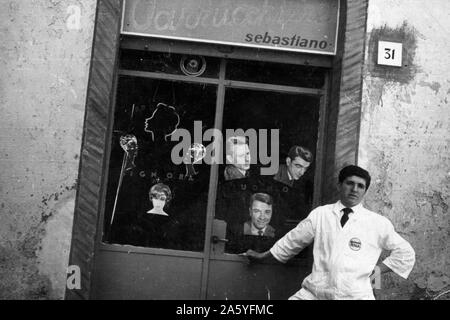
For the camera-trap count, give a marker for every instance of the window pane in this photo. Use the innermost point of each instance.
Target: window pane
(171, 63)
(276, 73)
(159, 204)
(260, 208)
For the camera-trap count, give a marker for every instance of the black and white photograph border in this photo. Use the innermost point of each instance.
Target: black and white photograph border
(101, 100)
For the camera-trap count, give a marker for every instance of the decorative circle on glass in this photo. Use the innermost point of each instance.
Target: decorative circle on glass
(193, 66)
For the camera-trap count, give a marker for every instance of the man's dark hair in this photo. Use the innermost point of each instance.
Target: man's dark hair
(352, 170)
(302, 152)
(262, 197)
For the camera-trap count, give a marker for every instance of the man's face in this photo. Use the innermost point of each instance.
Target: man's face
(261, 213)
(352, 190)
(297, 167)
(241, 157)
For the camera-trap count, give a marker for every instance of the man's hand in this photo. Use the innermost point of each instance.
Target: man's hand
(382, 268)
(375, 276)
(254, 256)
(375, 273)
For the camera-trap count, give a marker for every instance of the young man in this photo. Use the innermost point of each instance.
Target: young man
(238, 158)
(298, 193)
(260, 214)
(348, 240)
(297, 162)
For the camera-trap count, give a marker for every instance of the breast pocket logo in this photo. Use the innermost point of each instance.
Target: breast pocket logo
(355, 244)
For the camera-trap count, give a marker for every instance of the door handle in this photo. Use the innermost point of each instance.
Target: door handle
(216, 239)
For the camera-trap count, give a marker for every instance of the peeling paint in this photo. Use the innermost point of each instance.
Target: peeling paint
(405, 140)
(20, 278)
(46, 65)
(435, 86)
(53, 254)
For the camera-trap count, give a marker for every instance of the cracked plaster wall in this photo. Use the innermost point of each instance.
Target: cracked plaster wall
(404, 138)
(44, 65)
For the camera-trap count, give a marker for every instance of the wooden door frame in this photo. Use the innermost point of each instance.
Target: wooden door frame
(341, 136)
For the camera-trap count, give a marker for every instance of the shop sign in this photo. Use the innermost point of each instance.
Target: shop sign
(291, 25)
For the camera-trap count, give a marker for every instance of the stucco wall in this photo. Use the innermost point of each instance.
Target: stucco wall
(44, 64)
(405, 137)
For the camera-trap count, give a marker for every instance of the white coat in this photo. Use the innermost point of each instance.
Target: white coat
(344, 257)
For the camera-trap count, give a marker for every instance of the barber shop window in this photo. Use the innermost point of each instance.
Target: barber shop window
(261, 205)
(269, 118)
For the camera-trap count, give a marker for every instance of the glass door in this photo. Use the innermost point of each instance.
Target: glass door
(155, 207)
(272, 113)
(178, 210)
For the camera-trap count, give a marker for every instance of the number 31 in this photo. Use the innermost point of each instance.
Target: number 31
(389, 53)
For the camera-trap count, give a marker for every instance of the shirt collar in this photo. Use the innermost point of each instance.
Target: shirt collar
(338, 206)
(288, 174)
(243, 172)
(255, 231)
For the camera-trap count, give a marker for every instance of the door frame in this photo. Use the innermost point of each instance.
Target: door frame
(340, 138)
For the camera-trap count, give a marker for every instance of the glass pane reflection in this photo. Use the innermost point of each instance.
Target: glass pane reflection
(159, 204)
